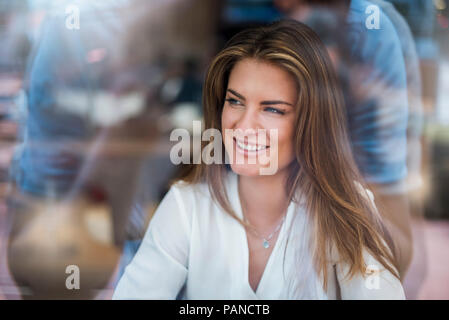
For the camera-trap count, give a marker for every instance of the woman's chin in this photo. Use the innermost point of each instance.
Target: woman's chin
(250, 170)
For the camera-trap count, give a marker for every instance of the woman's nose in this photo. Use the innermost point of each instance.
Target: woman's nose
(248, 119)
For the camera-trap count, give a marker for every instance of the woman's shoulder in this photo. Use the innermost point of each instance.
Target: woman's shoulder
(202, 189)
(178, 209)
(376, 282)
(190, 197)
(188, 190)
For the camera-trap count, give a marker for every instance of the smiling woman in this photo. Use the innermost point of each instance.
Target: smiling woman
(309, 229)
(252, 103)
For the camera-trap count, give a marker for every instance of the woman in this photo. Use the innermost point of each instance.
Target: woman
(308, 230)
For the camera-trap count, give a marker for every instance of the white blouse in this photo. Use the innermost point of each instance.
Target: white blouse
(193, 249)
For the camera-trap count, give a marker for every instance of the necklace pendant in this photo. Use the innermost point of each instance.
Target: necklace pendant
(266, 245)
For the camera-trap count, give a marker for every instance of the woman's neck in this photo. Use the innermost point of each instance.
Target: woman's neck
(263, 198)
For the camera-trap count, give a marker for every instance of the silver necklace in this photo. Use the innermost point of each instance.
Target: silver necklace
(266, 241)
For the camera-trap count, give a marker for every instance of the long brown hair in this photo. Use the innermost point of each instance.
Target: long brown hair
(324, 169)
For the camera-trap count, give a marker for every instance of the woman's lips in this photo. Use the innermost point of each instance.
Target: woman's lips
(246, 147)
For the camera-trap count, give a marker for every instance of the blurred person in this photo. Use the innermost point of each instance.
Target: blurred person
(414, 93)
(414, 185)
(13, 52)
(421, 16)
(372, 69)
(309, 230)
(92, 120)
(48, 209)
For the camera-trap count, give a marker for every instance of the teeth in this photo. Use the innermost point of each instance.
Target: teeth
(250, 147)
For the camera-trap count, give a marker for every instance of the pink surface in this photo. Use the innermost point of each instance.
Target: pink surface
(428, 276)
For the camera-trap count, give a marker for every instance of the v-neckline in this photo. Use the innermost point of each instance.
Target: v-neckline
(238, 206)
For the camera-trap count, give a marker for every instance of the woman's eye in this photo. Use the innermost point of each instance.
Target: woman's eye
(274, 110)
(233, 101)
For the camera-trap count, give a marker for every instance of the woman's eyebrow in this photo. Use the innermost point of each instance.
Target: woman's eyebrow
(272, 102)
(268, 102)
(236, 94)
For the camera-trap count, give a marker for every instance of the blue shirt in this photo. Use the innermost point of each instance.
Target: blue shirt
(377, 103)
(49, 162)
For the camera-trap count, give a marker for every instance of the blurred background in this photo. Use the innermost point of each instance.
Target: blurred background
(90, 91)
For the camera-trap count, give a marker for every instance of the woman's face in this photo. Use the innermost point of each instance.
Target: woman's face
(263, 96)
